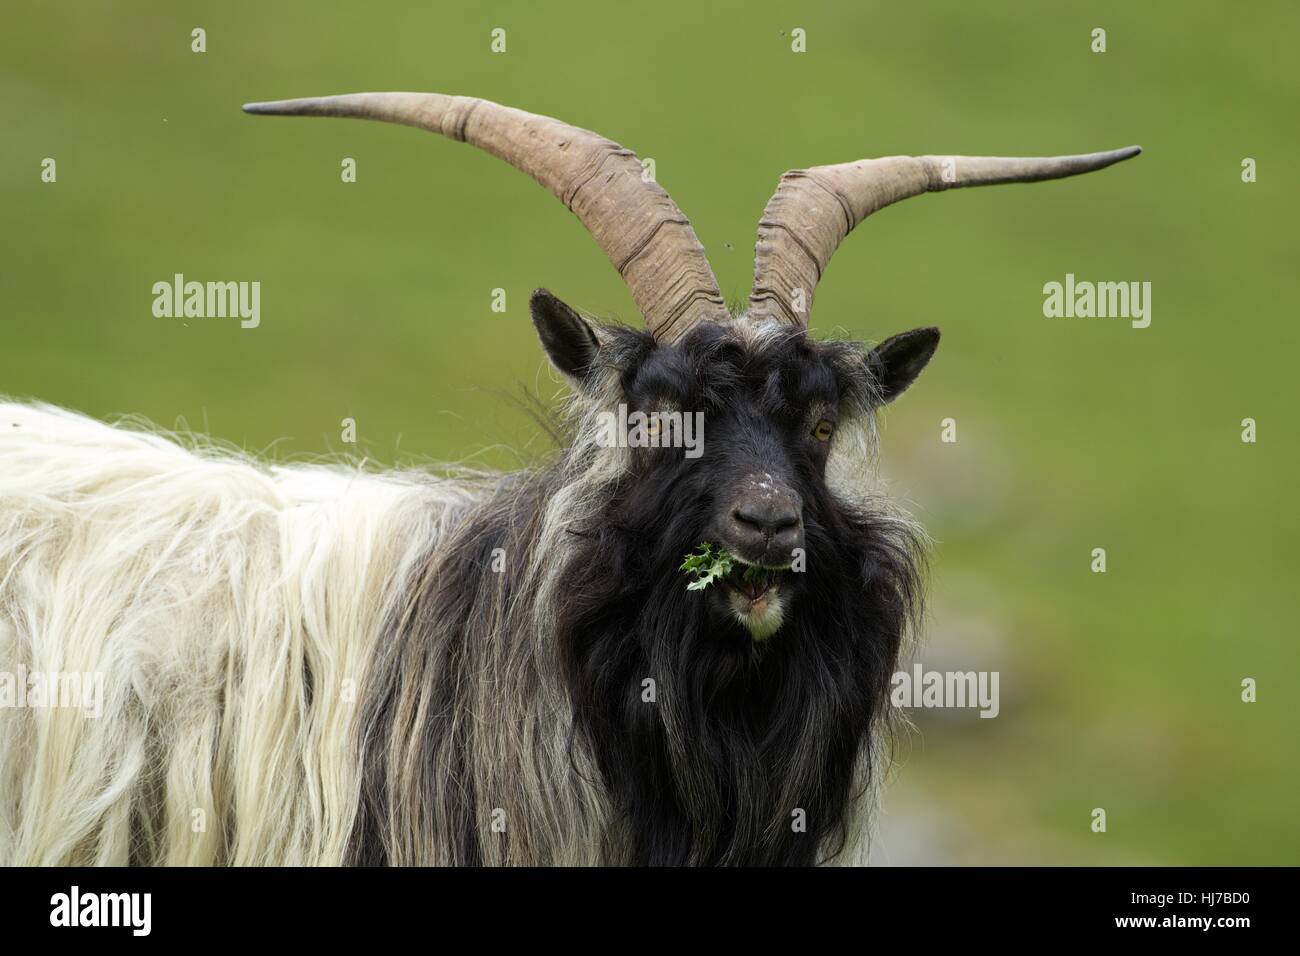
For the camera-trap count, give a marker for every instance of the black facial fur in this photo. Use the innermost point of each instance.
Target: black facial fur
(742, 734)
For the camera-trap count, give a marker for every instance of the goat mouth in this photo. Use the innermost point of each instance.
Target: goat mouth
(755, 597)
(753, 582)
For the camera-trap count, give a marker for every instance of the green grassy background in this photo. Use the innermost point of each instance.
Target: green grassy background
(1118, 690)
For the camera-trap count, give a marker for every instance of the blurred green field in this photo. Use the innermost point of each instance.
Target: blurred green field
(1118, 690)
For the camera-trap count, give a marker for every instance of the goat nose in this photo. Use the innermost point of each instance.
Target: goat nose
(767, 515)
(768, 528)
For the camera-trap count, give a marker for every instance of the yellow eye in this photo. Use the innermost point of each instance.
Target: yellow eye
(652, 427)
(823, 430)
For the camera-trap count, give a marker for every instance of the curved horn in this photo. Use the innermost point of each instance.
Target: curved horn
(813, 210)
(633, 220)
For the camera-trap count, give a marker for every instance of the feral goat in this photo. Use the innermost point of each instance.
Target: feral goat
(311, 665)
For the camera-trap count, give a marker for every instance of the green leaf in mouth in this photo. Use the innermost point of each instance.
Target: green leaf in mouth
(706, 564)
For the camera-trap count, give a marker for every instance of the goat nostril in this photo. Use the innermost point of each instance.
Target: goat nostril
(785, 521)
(765, 521)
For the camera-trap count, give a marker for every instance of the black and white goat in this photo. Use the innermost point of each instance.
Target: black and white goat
(311, 665)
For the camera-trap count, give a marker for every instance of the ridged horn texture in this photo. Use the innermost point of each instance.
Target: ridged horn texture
(813, 210)
(633, 220)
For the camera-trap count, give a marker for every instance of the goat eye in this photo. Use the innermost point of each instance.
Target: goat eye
(652, 427)
(822, 432)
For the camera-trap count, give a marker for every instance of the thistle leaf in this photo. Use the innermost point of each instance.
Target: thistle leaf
(706, 564)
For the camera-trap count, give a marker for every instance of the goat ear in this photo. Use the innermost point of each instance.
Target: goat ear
(899, 359)
(569, 341)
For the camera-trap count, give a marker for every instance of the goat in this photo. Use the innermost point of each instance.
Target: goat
(315, 665)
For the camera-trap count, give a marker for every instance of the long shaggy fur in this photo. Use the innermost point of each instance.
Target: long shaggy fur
(313, 665)
(231, 610)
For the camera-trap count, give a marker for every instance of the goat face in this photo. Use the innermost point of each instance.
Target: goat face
(768, 402)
